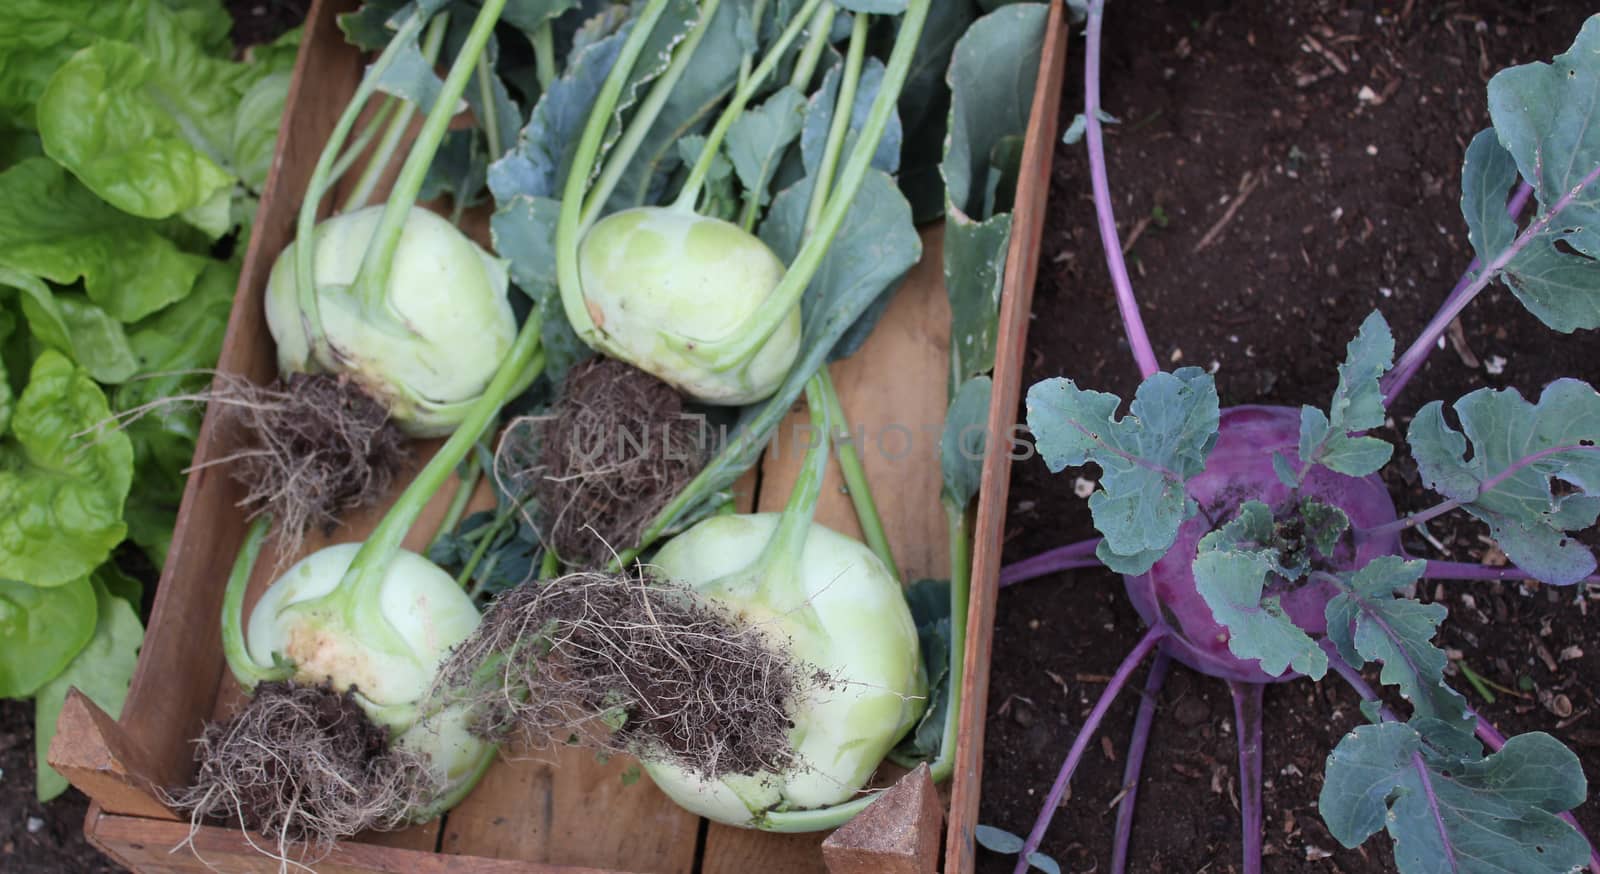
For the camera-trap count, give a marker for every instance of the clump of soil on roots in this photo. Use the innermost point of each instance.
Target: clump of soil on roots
(304, 763)
(630, 665)
(607, 457)
(312, 447)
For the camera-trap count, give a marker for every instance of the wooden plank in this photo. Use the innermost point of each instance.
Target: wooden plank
(161, 715)
(94, 753)
(1016, 305)
(148, 846)
(893, 389)
(563, 807)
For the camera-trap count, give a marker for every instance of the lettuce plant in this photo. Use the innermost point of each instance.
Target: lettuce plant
(132, 146)
(1259, 544)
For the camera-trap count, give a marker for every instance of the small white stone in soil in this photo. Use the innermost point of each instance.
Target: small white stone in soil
(1314, 854)
(1082, 487)
(1386, 291)
(1372, 150)
(1496, 365)
(1366, 94)
(34, 825)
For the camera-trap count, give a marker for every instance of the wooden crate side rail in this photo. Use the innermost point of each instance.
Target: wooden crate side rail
(1016, 303)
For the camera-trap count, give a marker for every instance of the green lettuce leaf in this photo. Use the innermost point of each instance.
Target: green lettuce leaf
(101, 671)
(148, 127)
(61, 491)
(42, 629)
(54, 228)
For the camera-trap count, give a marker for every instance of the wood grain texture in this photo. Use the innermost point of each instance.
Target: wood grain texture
(893, 388)
(1016, 304)
(95, 754)
(144, 845)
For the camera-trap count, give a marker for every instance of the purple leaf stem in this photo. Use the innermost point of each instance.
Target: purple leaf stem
(1488, 485)
(1247, 720)
(1464, 570)
(1411, 362)
(1081, 742)
(1132, 322)
(1062, 558)
(1130, 771)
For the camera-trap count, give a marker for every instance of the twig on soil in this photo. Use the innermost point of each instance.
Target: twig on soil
(1246, 188)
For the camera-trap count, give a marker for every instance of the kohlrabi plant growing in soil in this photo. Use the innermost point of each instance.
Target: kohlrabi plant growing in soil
(1259, 544)
(704, 192)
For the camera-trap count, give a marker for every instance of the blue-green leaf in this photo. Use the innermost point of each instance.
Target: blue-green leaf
(974, 271)
(962, 448)
(997, 840)
(1147, 457)
(1373, 620)
(1231, 572)
(1548, 117)
(1486, 179)
(1331, 440)
(1517, 449)
(991, 79)
(1450, 814)
(819, 118)
(758, 139)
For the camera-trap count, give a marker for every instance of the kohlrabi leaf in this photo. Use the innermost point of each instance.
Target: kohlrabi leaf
(411, 77)
(1517, 449)
(1331, 439)
(1231, 572)
(1486, 179)
(930, 610)
(43, 627)
(701, 91)
(1147, 457)
(61, 490)
(991, 79)
(962, 448)
(1548, 117)
(528, 15)
(758, 139)
(148, 127)
(925, 107)
(678, 19)
(974, 270)
(101, 671)
(54, 228)
(524, 231)
(1453, 814)
(538, 166)
(1324, 525)
(853, 264)
(819, 118)
(1372, 619)
(458, 169)
(370, 27)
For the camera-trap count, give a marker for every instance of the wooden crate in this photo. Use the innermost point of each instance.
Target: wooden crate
(561, 812)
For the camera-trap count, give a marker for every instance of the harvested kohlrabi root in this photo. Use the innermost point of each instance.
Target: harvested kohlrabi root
(602, 462)
(761, 680)
(630, 665)
(303, 764)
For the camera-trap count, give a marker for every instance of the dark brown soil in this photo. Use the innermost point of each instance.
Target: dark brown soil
(1355, 209)
(38, 838)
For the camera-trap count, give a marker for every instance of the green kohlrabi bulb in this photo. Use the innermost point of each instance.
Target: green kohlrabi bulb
(428, 347)
(659, 281)
(388, 650)
(842, 613)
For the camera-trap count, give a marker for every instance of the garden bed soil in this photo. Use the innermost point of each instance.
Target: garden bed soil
(1333, 134)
